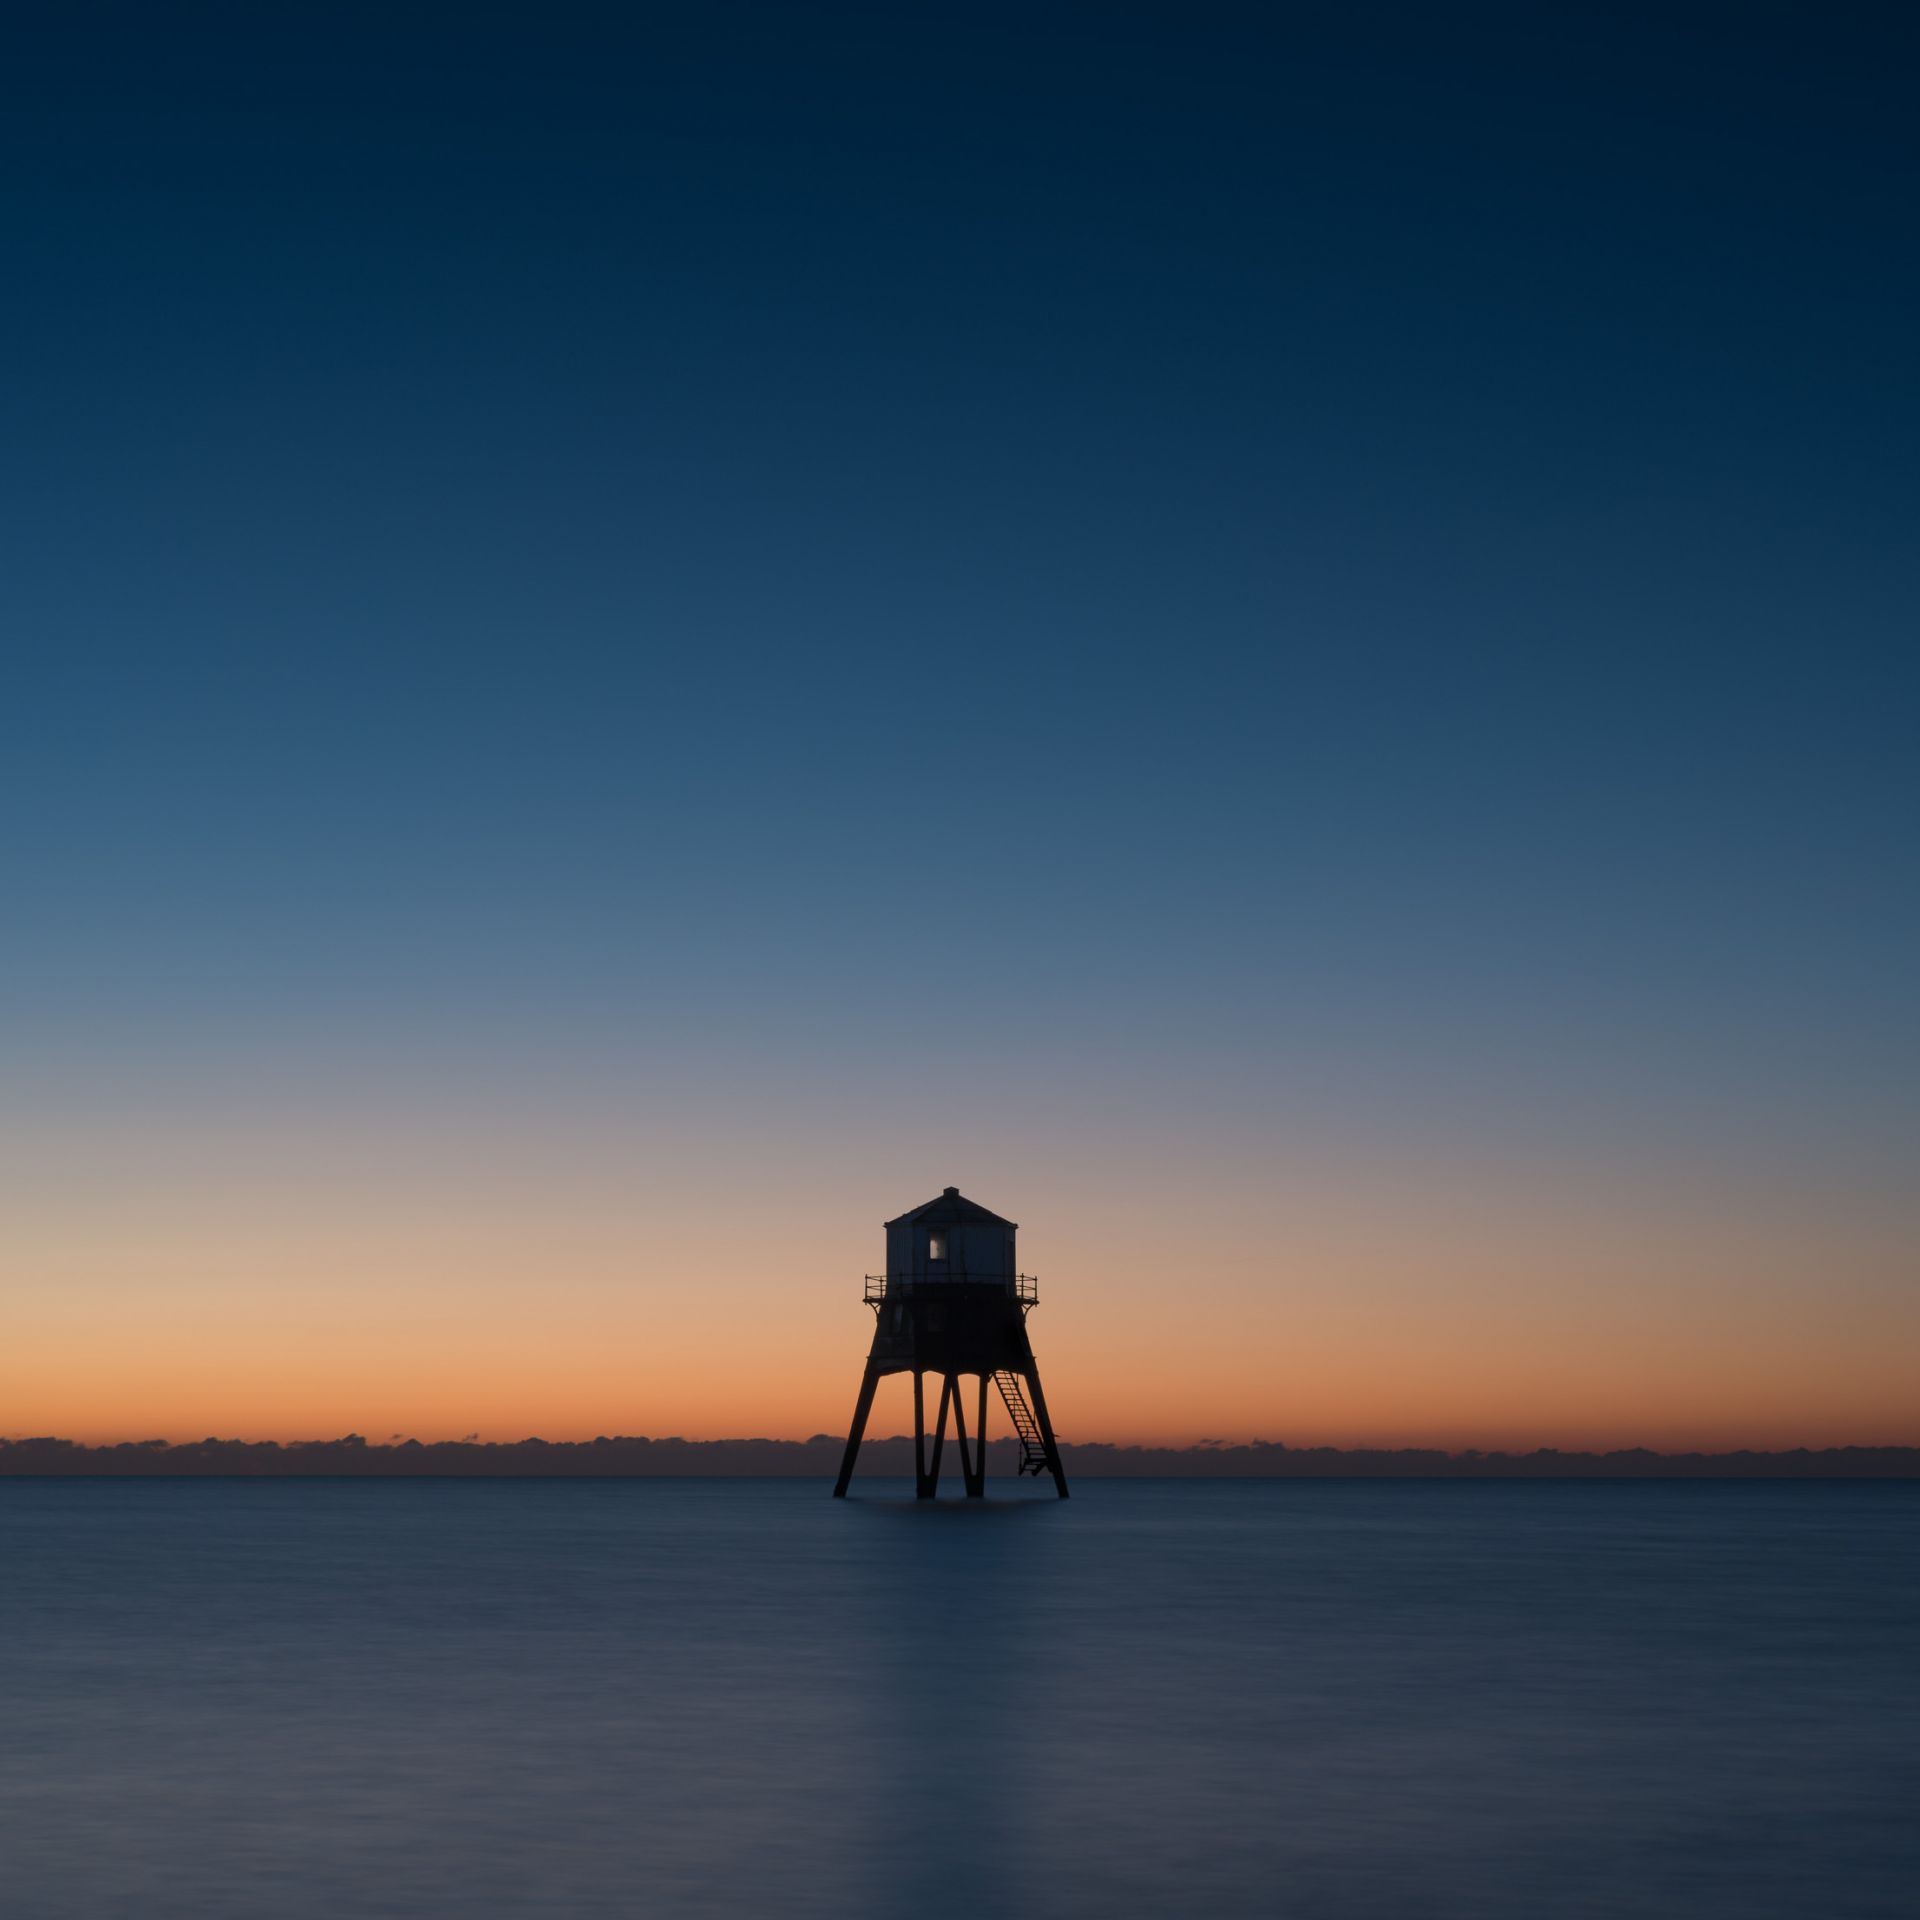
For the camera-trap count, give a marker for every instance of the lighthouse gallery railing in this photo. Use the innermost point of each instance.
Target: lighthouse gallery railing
(1025, 1287)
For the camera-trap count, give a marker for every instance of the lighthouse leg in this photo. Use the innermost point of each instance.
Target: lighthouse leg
(930, 1485)
(979, 1487)
(969, 1464)
(861, 1408)
(1046, 1432)
(919, 1436)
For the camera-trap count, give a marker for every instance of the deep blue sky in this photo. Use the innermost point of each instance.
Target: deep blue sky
(1289, 569)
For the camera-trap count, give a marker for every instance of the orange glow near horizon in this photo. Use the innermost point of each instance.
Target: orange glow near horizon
(145, 1302)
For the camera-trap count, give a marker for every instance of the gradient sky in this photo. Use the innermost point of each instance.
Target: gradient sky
(1281, 640)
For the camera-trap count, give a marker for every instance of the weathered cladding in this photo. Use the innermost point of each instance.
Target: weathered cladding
(951, 1239)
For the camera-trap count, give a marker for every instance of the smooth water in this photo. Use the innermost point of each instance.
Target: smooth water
(664, 1698)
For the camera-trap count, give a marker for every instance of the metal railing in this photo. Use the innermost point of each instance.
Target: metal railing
(1025, 1287)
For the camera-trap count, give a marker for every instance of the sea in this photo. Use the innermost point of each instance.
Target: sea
(474, 1699)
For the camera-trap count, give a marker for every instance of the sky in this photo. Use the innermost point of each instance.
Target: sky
(1281, 640)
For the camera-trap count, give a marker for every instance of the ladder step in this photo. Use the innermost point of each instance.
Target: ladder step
(1033, 1449)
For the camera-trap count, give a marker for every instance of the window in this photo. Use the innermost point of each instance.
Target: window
(936, 1246)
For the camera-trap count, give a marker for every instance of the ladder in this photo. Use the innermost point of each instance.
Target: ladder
(1033, 1449)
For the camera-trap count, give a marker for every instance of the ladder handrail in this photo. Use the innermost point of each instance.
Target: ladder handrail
(1033, 1446)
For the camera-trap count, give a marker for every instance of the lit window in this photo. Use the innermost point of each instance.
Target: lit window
(937, 1246)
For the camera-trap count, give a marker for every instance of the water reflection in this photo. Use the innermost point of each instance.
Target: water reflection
(697, 1698)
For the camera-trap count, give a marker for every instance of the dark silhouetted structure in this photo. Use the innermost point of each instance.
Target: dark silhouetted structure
(953, 1302)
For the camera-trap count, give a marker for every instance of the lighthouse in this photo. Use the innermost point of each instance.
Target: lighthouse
(953, 1304)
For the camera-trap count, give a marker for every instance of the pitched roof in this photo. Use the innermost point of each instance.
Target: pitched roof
(952, 1209)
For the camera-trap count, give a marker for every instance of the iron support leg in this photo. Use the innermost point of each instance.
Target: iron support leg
(960, 1434)
(931, 1485)
(861, 1408)
(979, 1487)
(1046, 1432)
(919, 1436)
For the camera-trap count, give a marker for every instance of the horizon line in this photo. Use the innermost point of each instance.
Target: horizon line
(641, 1456)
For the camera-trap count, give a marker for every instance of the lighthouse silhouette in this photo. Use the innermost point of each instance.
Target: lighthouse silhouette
(953, 1303)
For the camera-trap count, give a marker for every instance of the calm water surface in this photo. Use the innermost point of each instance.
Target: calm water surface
(664, 1698)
